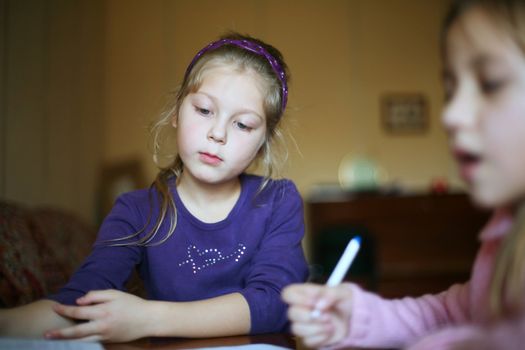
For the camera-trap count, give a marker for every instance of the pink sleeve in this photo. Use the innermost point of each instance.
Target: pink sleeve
(378, 322)
(509, 335)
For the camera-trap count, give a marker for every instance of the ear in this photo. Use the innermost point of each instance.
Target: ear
(174, 121)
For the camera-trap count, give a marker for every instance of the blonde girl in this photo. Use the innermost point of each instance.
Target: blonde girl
(484, 78)
(213, 244)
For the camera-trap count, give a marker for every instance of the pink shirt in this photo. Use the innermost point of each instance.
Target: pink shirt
(450, 316)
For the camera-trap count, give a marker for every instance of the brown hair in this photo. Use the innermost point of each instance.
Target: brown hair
(507, 289)
(272, 154)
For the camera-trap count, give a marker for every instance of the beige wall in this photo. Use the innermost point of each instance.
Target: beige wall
(52, 104)
(343, 56)
(82, 80)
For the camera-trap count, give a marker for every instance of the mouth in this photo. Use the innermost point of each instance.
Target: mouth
(468, 162)
(209, 158)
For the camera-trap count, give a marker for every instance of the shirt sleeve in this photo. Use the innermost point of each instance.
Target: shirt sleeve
(378, 322)
(107, 267)
(278, 262)
(507, 334)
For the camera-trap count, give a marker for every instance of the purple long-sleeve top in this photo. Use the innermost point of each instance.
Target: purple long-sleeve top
(255, 251)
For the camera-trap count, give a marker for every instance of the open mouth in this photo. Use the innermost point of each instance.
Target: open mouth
(468, 163)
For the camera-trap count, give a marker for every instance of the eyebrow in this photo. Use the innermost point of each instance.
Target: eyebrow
(241, 111)
(486, 60)
(480, 61)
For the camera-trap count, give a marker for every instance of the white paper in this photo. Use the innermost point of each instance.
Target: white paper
(42, 344)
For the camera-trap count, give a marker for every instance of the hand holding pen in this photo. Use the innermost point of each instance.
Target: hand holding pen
(340, 270)
(320, 313)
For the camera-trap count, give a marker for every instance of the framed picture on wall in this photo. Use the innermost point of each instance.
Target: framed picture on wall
(404, 113)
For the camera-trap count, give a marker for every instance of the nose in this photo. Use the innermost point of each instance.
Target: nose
(217, 132)
(460, 110)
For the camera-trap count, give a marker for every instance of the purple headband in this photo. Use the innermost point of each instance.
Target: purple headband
(252, 47)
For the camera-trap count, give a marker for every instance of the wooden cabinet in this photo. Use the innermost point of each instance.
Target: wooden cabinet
(421, 242)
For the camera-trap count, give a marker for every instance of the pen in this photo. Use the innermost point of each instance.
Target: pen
(341, 268)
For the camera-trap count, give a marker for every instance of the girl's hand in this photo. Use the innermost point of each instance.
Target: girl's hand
(334, 305)
(111, 315)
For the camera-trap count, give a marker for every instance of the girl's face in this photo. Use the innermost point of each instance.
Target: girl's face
(485, 109)
(221, 126)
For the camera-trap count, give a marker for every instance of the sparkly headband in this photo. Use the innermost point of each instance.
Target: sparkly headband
(252, 47)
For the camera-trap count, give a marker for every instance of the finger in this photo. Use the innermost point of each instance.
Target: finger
(331, 296)
(96, 297)
(316, 341)
(317, 337)
(91, 338)
(312, 332)
(303, 294)
(85, 330)
(78, 312)
(304, 314)
(307, 329)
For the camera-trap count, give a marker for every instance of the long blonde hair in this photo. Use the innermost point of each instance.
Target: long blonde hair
(271, 156)
(507, 288)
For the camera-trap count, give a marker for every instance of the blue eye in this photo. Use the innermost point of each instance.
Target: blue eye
(243, 127)
(203, 111)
